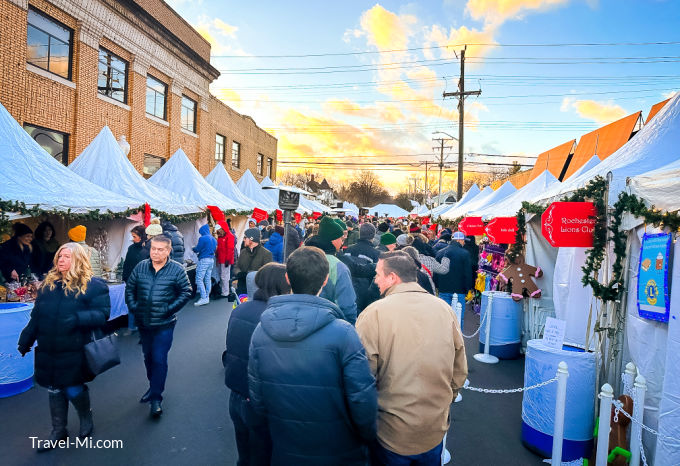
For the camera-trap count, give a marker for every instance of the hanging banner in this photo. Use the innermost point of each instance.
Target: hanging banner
(653, 292)
(279, 215)
(298, 217)
(316, 215)
(501, 230)
(569, 224)
(259, 215)
(472, 226)
(424, 220)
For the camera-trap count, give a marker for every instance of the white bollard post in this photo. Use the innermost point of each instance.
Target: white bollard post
(639, 389)
(459, 314)
(629, 378)
(485, 357)
(560, 401)
(604, 426)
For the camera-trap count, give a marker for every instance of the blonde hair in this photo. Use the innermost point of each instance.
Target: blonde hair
(77, 277)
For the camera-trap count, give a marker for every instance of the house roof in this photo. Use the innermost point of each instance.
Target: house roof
(324, 184)
(655, 109)
(553, 160)
(603, 142)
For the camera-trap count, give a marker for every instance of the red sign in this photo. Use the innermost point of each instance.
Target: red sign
(279, 215)
(433, 227)
(501, 230)
(569, 224)
(298, 217)
(316, 215)
(259, 215)
(425, 220)
(472, 226)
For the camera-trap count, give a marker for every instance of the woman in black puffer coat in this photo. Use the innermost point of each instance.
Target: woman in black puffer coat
(71, 303)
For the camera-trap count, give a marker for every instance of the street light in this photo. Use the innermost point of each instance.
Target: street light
(441, 164)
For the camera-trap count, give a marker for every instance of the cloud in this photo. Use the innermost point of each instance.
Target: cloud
(600, 112)
(224, 28)
(222, 36)
(460, 36)
(383, 111)
(385, 29)
(669, 94)
(496, 12)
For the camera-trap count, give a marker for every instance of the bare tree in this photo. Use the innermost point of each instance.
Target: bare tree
(366, 190)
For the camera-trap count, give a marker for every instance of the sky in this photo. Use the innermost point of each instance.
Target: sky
(352, 85)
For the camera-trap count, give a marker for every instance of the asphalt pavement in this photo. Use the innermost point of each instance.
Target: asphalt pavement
(195, 428)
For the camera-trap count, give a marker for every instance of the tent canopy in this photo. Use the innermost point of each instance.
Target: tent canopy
(460, 210)
(103, 163)
(34, 177)
(388, 210)
(659, 187)
(467, 197)
(180, 176)
(266, 181)
(509, 206)
(505, 190)
(219, 179)
(249, 186)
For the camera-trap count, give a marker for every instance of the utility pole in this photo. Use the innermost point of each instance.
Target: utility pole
(461, 94)
(441, 161)
(426, 191)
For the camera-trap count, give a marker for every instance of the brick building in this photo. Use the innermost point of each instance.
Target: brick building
(69, 67)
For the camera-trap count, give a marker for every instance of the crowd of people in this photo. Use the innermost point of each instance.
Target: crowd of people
(347, 350)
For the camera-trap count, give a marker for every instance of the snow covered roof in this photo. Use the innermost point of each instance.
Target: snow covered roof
(103, 163)
(249, 186)
(34, 177)
(219, 179)
(180, 176)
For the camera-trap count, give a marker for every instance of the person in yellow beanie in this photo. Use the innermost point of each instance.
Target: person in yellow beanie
(77, 234)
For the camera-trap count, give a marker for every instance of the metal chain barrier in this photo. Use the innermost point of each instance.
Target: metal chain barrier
(627, 385)
(511, 390)
(618, 408)
(481, 322)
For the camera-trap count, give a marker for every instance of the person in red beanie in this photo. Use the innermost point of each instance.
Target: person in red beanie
(225, 257)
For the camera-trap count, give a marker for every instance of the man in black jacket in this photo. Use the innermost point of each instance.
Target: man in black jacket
(459, 279)
(157, 290)
(364, 245)
(177, 239)
(361, 259)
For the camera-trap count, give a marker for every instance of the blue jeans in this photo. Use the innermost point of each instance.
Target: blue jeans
(203, 274)
(448, 297)
(156, 344)
(381, 456)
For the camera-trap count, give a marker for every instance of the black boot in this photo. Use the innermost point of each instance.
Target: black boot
(59, 413)
(82, 405)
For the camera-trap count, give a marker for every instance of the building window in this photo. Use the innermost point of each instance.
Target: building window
(112, 78)
(49, 44)
(188, 114)
(270, 166)
(152, 163)
(54, 142)
(156, 93)
(235, 154)
(219, 147)
(260, 163)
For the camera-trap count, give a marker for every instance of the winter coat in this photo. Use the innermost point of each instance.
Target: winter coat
(310, 379)
(205, 248)
(473, 249)
(13, 256)
(155, 297)
(362, 269)
(439, 245)
(294, 240)
(425, 281)
(352, 237)
(225, 249)
(62, 325)
(275, 246)
(136, 253)
(250, 261)
(95, 259)
(416, 351)
(433, 265)
(242, 322)
(459, 279)
(376, 238)
(177, 239)
(365, 248)
(43, 256)
(339, 288)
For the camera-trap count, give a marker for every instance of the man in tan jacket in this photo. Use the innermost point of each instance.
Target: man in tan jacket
(416, 353)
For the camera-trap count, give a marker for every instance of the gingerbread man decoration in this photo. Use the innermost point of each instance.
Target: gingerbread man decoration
(519, 274)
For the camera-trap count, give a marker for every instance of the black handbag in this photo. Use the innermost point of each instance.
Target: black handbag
(102, 354)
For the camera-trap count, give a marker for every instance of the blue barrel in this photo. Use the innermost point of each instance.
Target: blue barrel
(538, 405)
(16, 373)
(506, 325)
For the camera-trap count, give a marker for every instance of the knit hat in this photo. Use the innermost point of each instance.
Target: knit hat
(458, 235)
(329, 230)
(414, 228)
(349, 224)
(383, 227)
(340, 223)
(253, 234)
(387, 238)
(78, 233)
(279, 229)
(154, 228)
(366, 231)
(263, 223)
(404, 240)
(21, 229)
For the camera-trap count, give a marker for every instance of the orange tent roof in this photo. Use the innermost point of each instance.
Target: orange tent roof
(520, 179)
(603, 141)
(553, 160)
(655, 109)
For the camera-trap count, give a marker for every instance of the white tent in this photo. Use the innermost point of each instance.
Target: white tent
(594, 160)
(498, 195)
(388, 210)
(351, 208)
(103, 163)
(34, 177)
(249, 186)
(180, 176)
(509, 206)
(219, 179)
(461, 209)
(266, 181)
(654, 146)
(316, 206)
(467, 197)
(660, 188)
